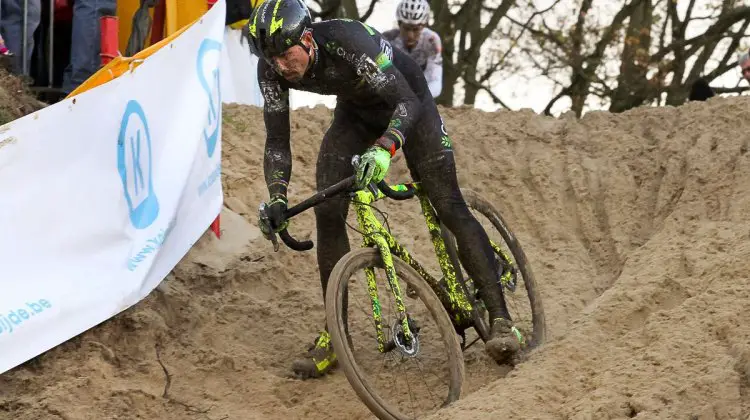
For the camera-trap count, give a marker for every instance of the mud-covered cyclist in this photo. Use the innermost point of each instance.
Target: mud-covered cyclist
(383, 105)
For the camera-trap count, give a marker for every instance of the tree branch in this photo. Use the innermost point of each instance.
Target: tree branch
(609, 34)
(370, 9)
(538, 33)
(501, 11)
(688, 14)
(663, 34)
(739, 89)
(578, 34)
(736, 40)
(710, 46)
(717, 29)
(494, 97)
(525, 27)
(719, 71)
(548, 108)
(463, 14)
(326, 12)
(490, 71)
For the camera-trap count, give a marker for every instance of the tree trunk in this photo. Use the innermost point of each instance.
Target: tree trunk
(445, 28)
(349, 9)
(473, 28)
(579, 92)
(632, 83)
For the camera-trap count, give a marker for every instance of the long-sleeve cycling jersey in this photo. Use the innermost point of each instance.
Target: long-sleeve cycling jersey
(355, 63)
(428, 53)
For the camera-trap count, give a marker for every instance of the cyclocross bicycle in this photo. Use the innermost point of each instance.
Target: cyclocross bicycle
(451, 305)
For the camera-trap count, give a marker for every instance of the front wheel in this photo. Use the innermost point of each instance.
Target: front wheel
(401, 382)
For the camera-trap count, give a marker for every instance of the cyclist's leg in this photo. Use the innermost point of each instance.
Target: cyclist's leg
(429, 154)
(344, 138)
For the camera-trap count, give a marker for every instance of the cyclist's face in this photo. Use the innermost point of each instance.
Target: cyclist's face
(293, 63)
(745, 65)
(410, 33)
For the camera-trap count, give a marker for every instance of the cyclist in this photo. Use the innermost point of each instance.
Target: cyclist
(383, 105)
(420, 42)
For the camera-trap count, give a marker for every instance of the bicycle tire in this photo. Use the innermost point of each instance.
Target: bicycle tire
(353, 262)
(478, 203)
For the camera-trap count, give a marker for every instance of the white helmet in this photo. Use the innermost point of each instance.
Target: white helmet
(413, 12)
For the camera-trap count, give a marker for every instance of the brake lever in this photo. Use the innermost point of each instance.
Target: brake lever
(266, 221)
(373, 188)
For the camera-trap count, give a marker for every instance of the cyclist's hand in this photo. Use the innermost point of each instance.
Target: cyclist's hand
(274, 221)
(373, 166)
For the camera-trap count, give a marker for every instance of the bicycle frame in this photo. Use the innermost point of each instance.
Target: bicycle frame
(375, 235)
(450, 290)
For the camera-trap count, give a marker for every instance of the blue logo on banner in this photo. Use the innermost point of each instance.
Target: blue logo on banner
(211, 131)
(134, 165)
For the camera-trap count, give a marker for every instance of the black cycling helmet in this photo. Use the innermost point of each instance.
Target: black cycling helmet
(277, 25)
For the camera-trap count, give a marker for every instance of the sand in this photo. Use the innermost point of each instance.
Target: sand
(635, 226)
(16, 99)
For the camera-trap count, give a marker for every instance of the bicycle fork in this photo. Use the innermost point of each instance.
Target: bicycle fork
(405, 338)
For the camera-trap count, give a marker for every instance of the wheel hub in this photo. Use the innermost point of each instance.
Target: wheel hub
(410, 349)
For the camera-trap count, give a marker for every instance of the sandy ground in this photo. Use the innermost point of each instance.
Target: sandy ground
(15, 97)
(635, 225)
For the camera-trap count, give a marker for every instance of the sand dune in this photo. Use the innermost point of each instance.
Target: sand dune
(635, 225)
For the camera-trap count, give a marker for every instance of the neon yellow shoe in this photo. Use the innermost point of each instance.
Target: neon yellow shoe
(319, 361)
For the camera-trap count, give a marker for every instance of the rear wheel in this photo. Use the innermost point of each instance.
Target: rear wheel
(400, 383)
(521, 297)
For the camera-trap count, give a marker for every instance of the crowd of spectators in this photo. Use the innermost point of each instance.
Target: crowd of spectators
(21, 19)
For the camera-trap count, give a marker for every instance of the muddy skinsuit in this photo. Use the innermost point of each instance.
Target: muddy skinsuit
(380, 91)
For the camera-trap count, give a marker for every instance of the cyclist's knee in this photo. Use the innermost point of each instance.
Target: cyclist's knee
(452, 211)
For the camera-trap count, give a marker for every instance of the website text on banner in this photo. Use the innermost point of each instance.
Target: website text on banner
(102, 194)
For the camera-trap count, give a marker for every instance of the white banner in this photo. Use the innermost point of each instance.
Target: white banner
(102, 194)
(239, 82)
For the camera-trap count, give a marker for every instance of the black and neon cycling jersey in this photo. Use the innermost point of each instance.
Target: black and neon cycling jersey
(356, 64)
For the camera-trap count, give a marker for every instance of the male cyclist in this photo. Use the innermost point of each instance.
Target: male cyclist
(383, 105)
(421, 43)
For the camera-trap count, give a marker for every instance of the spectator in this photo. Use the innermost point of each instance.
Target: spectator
(85, 41)
(4, 49)
(12, 30)
(744, 62)
(700, 90)
(421, 43)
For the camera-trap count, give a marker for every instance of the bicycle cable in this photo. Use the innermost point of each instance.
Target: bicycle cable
(382, 213)
(352, 200)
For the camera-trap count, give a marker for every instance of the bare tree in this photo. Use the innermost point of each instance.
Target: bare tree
(640, 55)
(331, 9)
(464, 28)
(472, 37)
